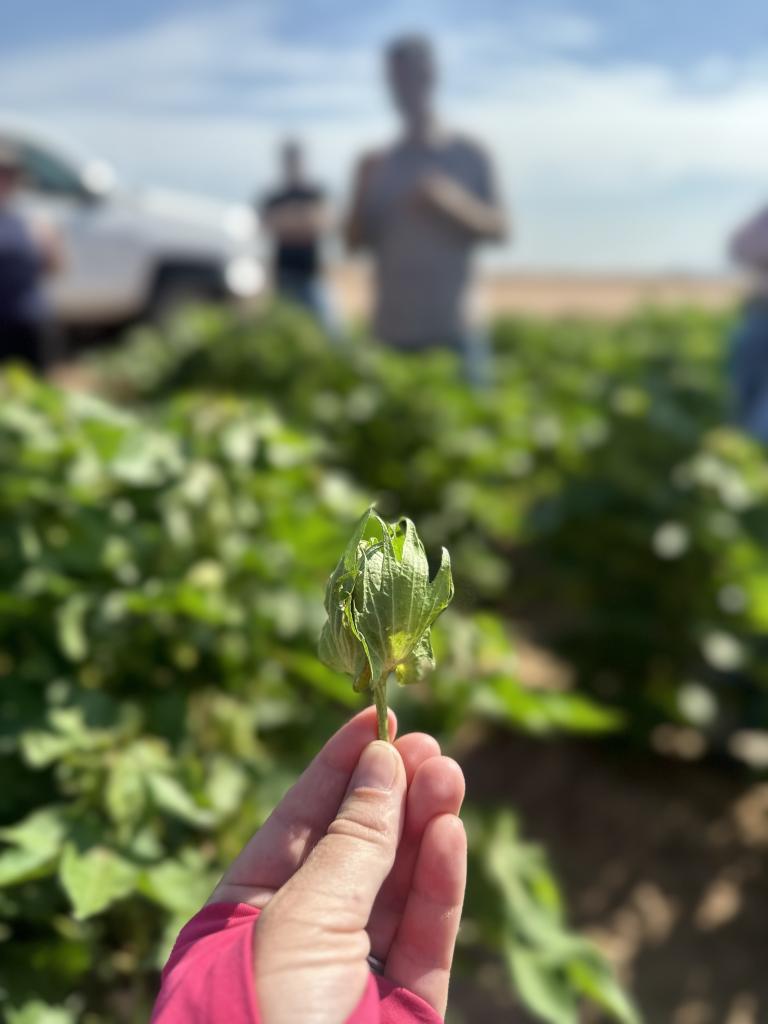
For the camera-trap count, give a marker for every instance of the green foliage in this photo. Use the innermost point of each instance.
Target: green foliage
(95, 879)
(37, 1012)
(553, 969)
(155, 605)
(159, 612)
(653, 534)
(162, 567)
(595, 495)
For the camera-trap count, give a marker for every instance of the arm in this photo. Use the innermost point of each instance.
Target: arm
(477, 216)
(356, 229)
(49, 246)
(749, 246)
(474, 206)
(298, 222)
(209, 978)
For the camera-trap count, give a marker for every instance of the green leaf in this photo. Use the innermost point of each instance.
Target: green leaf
(225, 786)
(170, 795)
(320, 678)
(42, 831)
(38, 839)
(39, 749)
(180, 887)
(95, 879)
(38, 1012)
(70, 622)
(126, 791)
(596, 981)
(21, 865)
(542, 712)
(552, 967)
(542, 989)
(147, 458)
(418, 664)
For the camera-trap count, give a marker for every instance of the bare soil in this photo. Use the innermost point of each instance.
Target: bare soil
(663, 863)
(560, 294)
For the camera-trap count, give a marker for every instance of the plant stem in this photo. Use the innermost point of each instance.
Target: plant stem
(382, 713)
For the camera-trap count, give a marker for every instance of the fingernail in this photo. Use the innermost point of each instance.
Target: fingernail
(377, 767)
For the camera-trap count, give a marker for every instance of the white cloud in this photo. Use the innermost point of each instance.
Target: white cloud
(606, 165)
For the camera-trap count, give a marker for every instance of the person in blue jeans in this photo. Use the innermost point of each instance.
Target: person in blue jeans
(749, 342)
(421, 205)
(296, 217)
(28, 251)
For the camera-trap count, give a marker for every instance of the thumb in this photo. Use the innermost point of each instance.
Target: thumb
(342, 876)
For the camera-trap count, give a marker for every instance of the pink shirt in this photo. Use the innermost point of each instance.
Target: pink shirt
(209, 978)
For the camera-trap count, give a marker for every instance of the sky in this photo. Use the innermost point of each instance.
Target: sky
(629, 135)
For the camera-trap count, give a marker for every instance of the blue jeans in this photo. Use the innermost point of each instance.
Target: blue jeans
(312, 295)
(477, 353)
(749, 369)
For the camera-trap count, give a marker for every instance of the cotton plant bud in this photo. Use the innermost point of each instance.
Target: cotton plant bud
(381, 605)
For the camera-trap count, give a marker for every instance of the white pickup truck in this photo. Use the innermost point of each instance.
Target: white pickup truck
(132, 254)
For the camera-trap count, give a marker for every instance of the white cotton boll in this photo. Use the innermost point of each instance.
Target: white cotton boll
(697, 704)
(750, 746)
(671, 540)
(707, 469)
(723, 651)
(735, 494)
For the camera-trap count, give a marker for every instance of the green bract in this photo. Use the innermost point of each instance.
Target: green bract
(381, 604)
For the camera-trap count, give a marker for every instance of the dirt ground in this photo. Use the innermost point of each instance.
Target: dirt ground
(663, 863)
(553, 294)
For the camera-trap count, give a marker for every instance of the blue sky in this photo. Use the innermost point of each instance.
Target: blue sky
(628, 134)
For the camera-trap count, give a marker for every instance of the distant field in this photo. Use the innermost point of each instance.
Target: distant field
(540, 294)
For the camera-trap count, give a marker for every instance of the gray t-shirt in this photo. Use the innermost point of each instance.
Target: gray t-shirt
(421, 256)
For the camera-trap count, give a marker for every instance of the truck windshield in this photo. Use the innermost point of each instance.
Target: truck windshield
(48, 174)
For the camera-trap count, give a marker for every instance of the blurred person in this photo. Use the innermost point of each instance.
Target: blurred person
(296, 216)
(29, 250)
(749, 344)
(421, 205)
(346, 903)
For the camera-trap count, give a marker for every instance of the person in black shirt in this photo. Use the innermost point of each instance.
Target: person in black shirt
(28, 251)
(296, 217)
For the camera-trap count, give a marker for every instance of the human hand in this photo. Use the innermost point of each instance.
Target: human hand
(440, 190)
(365, 853)
(482, 218)
(298, 221)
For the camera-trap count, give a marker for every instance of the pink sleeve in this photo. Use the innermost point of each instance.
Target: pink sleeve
(209, 978)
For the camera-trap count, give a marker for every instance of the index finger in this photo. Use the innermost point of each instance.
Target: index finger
(282, 844)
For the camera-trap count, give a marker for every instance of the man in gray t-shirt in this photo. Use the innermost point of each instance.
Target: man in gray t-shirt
(421, 205)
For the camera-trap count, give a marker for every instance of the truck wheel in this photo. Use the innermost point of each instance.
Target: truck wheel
(171, 298)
